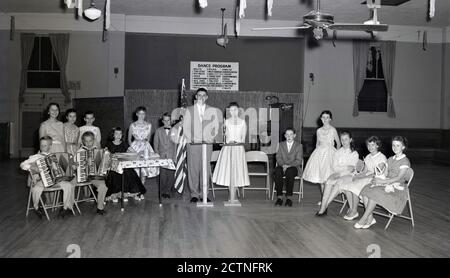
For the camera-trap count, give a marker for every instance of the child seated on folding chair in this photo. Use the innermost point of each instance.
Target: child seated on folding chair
(88, 143)
(372, 167)
(132, 184)
(345, 161)
(289, 158)
(388, 193)
(45, 144)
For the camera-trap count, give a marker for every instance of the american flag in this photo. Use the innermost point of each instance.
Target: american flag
(181, 167)
(183, 96)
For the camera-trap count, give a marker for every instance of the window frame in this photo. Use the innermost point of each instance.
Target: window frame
(378, 46)
(40, 70)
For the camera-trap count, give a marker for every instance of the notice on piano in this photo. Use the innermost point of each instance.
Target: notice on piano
(215, 76)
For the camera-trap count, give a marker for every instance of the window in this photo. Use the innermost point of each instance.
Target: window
(43, 70)
(373, 95)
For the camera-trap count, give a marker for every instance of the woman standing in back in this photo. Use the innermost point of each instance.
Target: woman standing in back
(54, 128)
(320, 164)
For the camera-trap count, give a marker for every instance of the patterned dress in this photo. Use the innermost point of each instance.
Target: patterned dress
(132, 183)
(392, 201)
(141, 134)
(56, 131)
(320, 164)
(71, 134)
(231, 167)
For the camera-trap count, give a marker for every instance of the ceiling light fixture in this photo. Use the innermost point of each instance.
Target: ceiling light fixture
(92, 12)
(318, 33)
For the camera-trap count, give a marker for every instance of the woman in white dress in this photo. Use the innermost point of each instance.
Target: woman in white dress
(54, 128)
(352, 189)
(319, 165)
(344, 165)
(231, 167)
(140, 131)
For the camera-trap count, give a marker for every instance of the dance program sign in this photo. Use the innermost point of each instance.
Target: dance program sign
(215, 76)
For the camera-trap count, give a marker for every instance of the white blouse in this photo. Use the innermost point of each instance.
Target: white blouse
(344, 158)
(372, 161)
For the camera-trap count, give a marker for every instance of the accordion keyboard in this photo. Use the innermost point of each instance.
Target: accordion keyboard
(44, 172)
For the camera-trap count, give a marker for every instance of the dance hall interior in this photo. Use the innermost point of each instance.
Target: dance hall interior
(225, 129)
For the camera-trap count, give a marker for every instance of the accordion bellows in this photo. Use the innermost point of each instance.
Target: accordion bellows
(92, 164)
(50, 170)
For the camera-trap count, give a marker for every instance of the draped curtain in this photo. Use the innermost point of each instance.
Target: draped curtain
(360, 52)
(60, 46)
(26, 48)
(388, 60)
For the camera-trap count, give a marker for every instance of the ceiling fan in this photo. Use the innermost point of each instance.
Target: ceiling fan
(222, 40)
(319, 22)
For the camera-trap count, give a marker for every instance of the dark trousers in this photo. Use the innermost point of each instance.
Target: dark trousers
(290, 174)
(195, 169)
(166, 180)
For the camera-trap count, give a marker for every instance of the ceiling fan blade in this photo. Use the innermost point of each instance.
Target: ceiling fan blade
(359, 27)
(283, 28)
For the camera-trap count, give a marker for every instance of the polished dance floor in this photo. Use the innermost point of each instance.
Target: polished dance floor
(257, 229)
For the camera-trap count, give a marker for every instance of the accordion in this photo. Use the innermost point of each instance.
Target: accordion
(50, 170)
(92, 164)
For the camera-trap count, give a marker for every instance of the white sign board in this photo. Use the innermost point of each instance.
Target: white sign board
(216, 76)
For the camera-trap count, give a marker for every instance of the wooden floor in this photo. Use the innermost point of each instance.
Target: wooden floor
(257, 229)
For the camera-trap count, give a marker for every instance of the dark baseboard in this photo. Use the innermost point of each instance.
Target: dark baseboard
(424, 145)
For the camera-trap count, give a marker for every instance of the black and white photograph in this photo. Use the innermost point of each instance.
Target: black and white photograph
(222, 131)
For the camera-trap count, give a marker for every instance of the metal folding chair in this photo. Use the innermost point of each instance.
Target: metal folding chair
(297, 179)
(55, 189)
(408, 176)
(258, 157)
(383, 212)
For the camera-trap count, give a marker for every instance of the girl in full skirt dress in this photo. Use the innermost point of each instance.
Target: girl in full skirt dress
(231, 167)
(140, 131)
(345, 160)
(371, 162)
(54, 128)
(320, 164)
(133, 186)
(390, 192)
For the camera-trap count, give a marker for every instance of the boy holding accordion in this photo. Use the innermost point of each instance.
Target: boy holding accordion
(31, 164)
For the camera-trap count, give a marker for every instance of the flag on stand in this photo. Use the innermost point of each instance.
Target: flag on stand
(181, 166)
(183, 96)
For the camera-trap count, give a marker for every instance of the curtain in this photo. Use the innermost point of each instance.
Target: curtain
(60, 46)
(388, 60)
(360, 50)
(26, 48)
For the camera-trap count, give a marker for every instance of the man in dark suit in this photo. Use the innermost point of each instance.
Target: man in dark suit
(200, 124)
(165, 147)
(289, 159)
